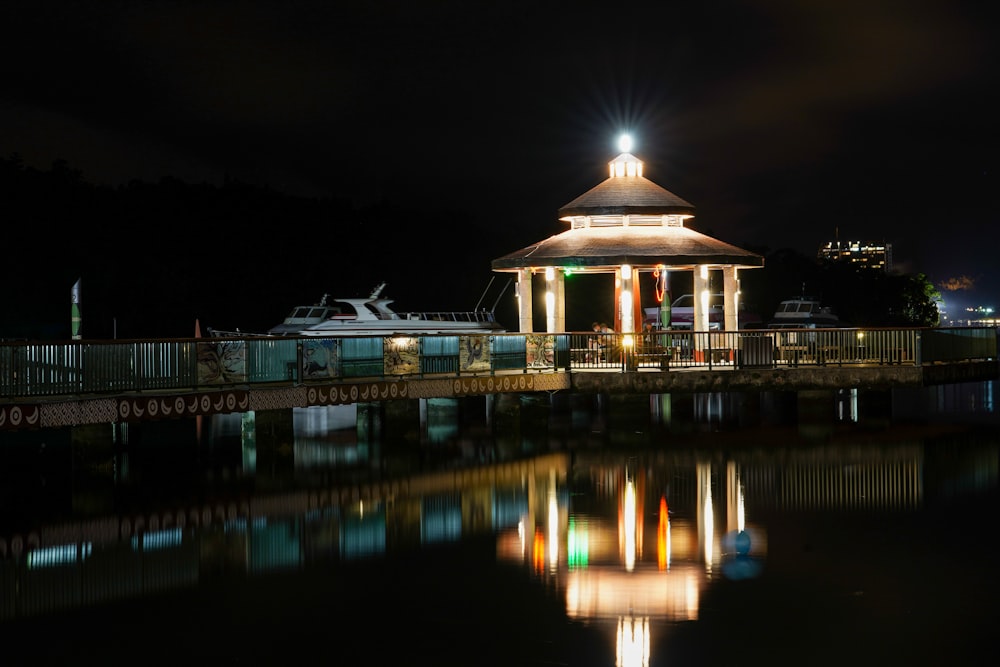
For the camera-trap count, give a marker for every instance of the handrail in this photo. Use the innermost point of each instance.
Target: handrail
(68, 368)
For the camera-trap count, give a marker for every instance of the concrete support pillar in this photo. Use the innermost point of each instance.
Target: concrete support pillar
(524, 319)
(274, 440)
(555, 300)
(731, 298)
(702, 298)
(626, 304)
(401, 420)
(369, 423)
(816, 412)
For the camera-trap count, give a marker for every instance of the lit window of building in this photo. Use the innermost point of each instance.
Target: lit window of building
(862, 255)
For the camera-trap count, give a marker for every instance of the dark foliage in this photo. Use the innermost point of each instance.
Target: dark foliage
(154, 257)
(859, 297)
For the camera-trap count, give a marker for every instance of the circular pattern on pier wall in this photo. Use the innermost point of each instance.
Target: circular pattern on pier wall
(159, 407)
(489, 385)
(17, 416)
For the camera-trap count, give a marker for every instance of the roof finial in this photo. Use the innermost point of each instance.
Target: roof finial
(625, 164)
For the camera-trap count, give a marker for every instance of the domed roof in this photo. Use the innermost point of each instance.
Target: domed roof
(627, 219)
(627, 195)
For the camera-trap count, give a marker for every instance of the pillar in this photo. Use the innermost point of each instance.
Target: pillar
(701, 297)
(731, 298)
(701, 303)
(627, 298)
(524, 319)
(555, 300)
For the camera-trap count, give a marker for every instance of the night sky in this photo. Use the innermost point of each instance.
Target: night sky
(787, 123)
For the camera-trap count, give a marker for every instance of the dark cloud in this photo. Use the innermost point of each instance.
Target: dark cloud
(784, 122)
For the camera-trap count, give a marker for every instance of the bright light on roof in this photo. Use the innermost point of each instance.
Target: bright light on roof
(625, 143)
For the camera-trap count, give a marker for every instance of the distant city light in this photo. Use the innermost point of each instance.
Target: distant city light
(625, 143)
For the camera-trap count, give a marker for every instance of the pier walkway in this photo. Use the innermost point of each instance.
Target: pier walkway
(49, 384)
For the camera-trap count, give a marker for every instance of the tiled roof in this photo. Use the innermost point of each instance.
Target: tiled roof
(602, 238)
(610, 247)
(626, 196)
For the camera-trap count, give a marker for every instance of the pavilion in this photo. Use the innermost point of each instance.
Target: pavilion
(626, 226)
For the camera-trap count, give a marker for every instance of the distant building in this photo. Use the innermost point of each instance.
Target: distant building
(861, 255)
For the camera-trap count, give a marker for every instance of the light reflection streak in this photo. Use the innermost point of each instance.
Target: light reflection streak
(629, 526)
(663, 537)
(704, 475)
(740, 506)
(553, 523)
(632, 646)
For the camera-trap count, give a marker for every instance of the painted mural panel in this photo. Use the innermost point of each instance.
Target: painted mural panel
(401, 356)
(223, 362)
(540, 350)
(474, 353)
(320, 358)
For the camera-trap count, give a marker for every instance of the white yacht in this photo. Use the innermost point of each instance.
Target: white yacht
(804, 313)
(372, 316)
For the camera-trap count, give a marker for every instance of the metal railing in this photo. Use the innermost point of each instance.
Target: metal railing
(37, 369)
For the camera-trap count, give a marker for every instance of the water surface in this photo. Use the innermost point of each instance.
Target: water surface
(686, 530)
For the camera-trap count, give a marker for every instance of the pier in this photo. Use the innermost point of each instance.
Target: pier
(86, 382)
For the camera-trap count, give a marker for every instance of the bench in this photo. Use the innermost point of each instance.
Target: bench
(827, 353)
(593, 355)
(720, 354)
(657, 355)
(894, 355)
(792, 353)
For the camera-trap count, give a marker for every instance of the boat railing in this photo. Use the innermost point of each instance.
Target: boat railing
(484, 316)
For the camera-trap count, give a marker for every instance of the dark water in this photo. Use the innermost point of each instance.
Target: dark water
(780, 529)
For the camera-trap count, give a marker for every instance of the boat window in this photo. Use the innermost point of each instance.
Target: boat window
(317, 312)
(687, 301)
(300, 312)
(683, 301)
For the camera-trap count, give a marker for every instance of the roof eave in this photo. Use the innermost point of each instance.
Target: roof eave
(569, 211)
(525, 262)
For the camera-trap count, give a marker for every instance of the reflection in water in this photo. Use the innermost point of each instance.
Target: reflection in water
(317, 491)
(633, 642)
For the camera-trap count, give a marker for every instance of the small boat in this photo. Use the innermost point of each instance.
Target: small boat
(372, 316)
(804, 313)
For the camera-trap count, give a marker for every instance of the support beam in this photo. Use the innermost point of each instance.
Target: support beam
(524, 319)
(731, 298)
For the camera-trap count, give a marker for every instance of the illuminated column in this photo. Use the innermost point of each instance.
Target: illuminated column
(560, 301)
(524, 321)
(555, 300)
(701, 303)
(731, 298)
(701, 298)
(626, 304)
